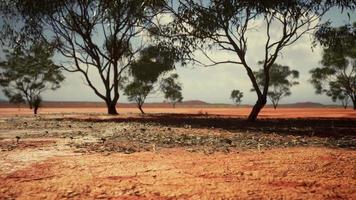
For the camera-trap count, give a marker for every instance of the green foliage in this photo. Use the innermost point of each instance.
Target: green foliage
(337, 94)
(154, 61)
(205, 24)
(281, 79)
(27, 19)
(153, 64)
(138, 91)
(27, 73)
(172, 89)
(236, 96)
(337, 76)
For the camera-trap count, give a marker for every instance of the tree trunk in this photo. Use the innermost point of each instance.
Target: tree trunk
(174, 105)
(35, 110)
(260, 103)
(111, 108)
(354, 102)
(344, 104)
(140, 108)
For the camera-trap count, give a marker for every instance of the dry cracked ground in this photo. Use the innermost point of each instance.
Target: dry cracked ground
(178, 156)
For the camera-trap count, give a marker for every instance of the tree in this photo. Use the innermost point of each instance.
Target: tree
(94, 38)
(36, 103)
(224, 25)
(337, 94)
(344, 99)
(236, 96)
(281, 80)
(138, 91)
(26, 73)
(153, 64)
(337, 76)
(172, 89)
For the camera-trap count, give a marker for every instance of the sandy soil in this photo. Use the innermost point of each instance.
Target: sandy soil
(91, 156)
(295, 173)
(242, 112)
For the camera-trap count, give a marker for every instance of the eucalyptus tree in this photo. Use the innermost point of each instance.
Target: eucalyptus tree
(137, 91)
(236, 96)
(26, 73)
(338, 95)
(225, 25)
(172, 89)
(96, 38)
(337, 76)
(148, 72)
(281, 80)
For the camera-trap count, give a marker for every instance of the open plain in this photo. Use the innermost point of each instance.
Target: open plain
(182, 153)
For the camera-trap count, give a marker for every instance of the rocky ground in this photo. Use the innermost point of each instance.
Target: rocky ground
(179, 156)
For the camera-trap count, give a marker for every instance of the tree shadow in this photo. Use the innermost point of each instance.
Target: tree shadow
(320, 127)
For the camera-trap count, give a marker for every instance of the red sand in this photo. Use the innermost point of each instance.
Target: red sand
(47, 168)
(293, 173)
(241, 112)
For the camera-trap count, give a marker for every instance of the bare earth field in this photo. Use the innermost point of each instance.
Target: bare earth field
(183, 153)
(238, 112)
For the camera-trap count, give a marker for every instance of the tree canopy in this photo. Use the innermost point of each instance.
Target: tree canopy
(172, 89)
(281, 80)
(337, 76)
(138, 91)
(236, 96)
(225, 25)
(27, 73)
(154, 63)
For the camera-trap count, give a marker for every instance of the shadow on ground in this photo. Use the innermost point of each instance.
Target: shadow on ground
(320, 127)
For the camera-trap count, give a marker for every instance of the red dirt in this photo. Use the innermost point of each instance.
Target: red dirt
(240, 112)
(6, 145)
(46, 164)
(293, 173)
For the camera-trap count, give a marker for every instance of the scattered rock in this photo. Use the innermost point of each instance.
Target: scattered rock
(227, 141)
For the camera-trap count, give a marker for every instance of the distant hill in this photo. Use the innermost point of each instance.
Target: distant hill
(189, 103)
(194, 102)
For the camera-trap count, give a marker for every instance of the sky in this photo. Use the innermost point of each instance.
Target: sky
(214, 84)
